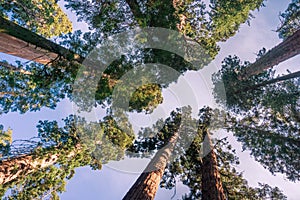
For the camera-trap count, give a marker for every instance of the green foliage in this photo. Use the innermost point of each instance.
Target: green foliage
(152, 139)
(227, 16)
(268, 115)
(33, 86)
(267, 192)
(237, 94)
(290, 20)
(273, 140)
(146, 97)
(254, 92)
(191, 18)
(107, 16)
(76, 144)
(5, 141)
(44, 17)
(188, 164)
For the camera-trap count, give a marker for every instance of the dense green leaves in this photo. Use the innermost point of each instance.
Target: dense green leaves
(32, 86)
(146, 97)
(44, 17)
(268, 126)
(273, 140)
(76, 144)
(267, 115)
(290, 20)
(227, 16)
(233, 93)
(262, 90)
(5, 141)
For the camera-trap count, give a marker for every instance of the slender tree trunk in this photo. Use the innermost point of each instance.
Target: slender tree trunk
(285, 50)
(275, 80)
(21, 42)
(12, 168)
(147, 184)
(212, 188)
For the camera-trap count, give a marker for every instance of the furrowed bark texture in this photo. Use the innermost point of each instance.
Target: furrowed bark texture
(147, 184)
(21, 42)
(212, 188)
(285, 50)
(12, 168)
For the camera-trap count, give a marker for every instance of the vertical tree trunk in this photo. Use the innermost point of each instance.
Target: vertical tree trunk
(146, 185)
(212, 188)
(21, 42)
(285, 50)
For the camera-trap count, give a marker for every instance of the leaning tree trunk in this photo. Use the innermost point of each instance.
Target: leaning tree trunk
(285, 50)
(12, 168)
(211, 186)
(146, 185)
(275, 80)
(21, 42)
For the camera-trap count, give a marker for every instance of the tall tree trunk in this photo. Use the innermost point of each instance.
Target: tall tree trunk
(12, 168)
(285, 50)
(146, 185)
(21, 42)
(275, 80)
(211, 186)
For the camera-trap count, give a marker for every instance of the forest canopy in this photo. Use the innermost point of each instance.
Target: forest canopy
(120, 77)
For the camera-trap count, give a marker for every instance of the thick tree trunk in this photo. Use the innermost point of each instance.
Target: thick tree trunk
(212, 188)
(275, 80)
(21, 42)
(147, 184)
(13, 168)
(285, 50)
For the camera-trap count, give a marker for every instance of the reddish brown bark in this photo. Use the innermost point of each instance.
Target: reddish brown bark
(211, 187)
(23, 165)
(272, 81)
(21, 42)
(13, 168)
(283, 51)
(147, 184)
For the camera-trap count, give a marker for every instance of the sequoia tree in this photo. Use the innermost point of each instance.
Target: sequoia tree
(256, 91)
(283, 51)
(146, 185)
(196, 24)
(289, 31)
(266, 114)
(208, 170)
(58, 151)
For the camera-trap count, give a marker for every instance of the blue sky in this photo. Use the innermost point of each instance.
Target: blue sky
(113, 184)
